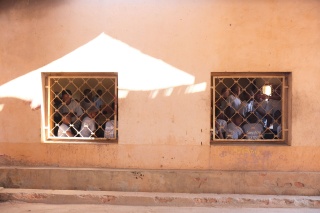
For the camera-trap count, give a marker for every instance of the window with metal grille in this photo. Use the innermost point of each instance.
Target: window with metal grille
(80, 107)
(250, 107)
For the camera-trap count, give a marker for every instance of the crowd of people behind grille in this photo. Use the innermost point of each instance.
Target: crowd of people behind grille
(248, 114)
(74, 118)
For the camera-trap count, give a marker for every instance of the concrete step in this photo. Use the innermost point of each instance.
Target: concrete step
(172, 181)
(157, 199)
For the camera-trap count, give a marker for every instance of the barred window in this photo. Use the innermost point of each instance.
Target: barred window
(80, 107)
(250, 107)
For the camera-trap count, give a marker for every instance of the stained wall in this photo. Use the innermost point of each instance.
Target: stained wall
(157, 131)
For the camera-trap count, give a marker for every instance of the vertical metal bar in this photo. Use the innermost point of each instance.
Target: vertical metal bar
(48, 99)
(213, 89)
(115, 127)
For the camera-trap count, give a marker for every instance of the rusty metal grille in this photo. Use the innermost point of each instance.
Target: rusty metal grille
(82, 107)
(249, 107)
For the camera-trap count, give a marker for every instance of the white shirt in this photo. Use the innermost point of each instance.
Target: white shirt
(62, 131)
(73, 107)
(262, 106)
(253, 130)
(234, 102)
(279, 133)
(98, 102)
(88, 127)
(245, 107)
(223, 125)
(234, 131)
(109, 129)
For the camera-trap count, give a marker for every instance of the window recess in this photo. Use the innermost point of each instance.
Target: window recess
(80, 107)
(250, 107)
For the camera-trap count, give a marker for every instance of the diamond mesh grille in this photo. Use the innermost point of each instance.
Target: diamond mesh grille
(82, 107)
(248, 108)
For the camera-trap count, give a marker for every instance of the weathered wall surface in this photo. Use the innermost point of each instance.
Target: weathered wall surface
(178, 181)
(197, 37)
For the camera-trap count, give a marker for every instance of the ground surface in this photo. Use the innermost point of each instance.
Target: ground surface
(20, 207)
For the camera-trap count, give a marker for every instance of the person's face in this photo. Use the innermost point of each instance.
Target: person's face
(238, 90)
(108, 109)
(238, 121)
(258, 97)
(226, 94)
(88, 95)
(67, 119)
(66, 98)
(93, 114)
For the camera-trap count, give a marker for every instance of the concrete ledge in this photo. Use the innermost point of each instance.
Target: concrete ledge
(172, 181)
(157, 199)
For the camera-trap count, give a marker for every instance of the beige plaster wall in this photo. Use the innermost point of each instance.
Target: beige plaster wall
(196, 37)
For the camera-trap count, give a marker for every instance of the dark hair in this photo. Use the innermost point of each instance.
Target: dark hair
(234, 88)
(86, 91)
(229, 112)
(64, 92)
(99, 92)
(245, 96)
(251, 117)
(223, 90)
(236, 115)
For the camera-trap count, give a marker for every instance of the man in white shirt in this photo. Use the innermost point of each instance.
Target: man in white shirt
(247, 103)
(64, 128)
(233, 100)
(253, 129)
(69, 105)
(97, 99)
(88, 126)
(234, 131)
(274, 101)
(109, 130)
(261, 109)
(220, 123)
